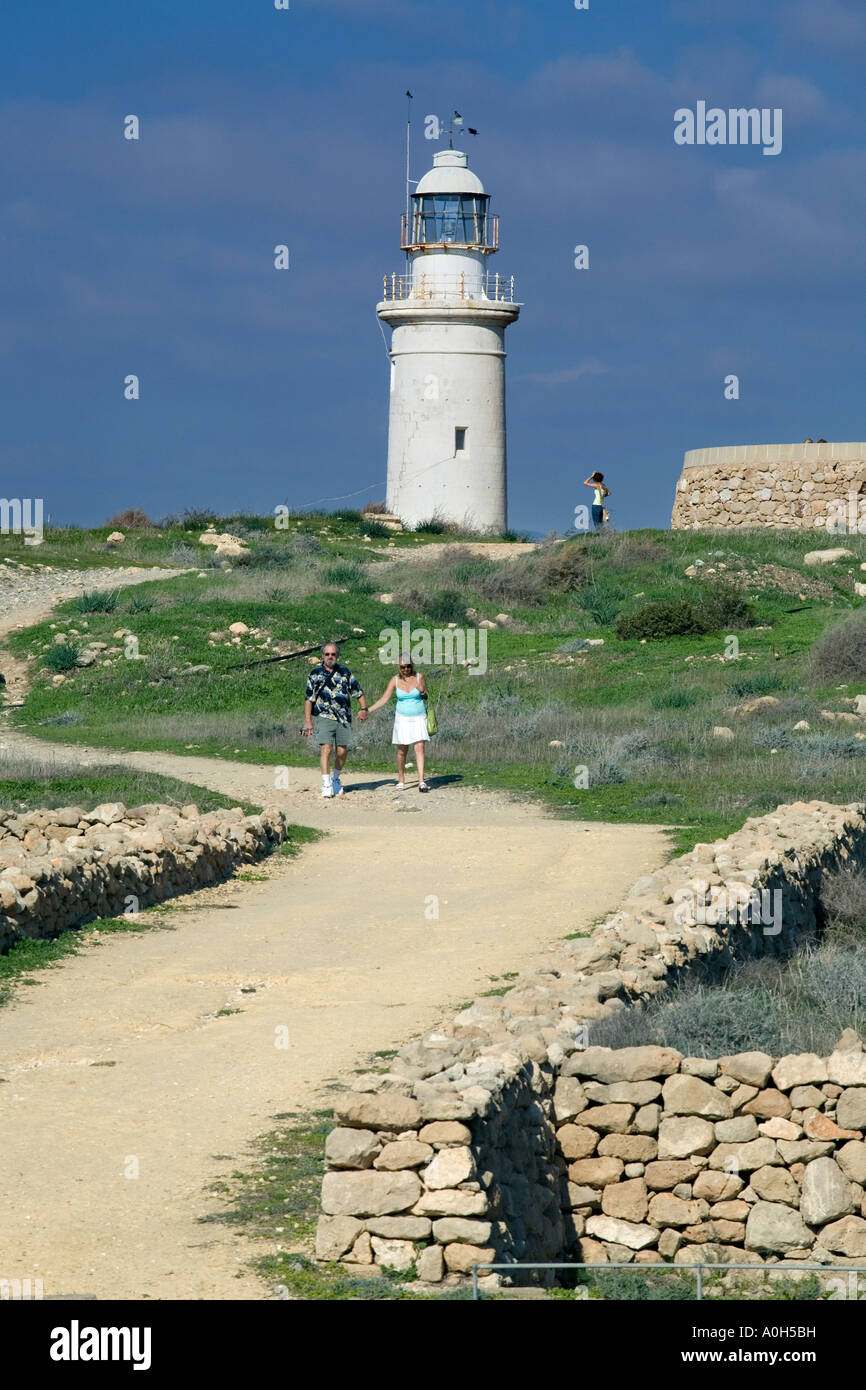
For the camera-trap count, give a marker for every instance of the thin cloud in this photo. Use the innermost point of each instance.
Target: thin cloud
(566, 374)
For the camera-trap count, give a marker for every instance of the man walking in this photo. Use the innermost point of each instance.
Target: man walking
(328, 701)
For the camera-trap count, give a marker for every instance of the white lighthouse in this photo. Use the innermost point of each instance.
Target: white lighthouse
(446, 431)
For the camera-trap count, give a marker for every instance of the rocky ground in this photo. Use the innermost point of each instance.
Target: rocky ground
(29, 590)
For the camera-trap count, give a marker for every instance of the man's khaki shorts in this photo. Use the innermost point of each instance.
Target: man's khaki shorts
(333, 732)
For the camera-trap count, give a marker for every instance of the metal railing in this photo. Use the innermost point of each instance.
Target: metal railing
(834, 1271)
(491, 287)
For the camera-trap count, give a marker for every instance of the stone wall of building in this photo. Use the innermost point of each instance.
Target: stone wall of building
(805, 486)
(503, 1136)
(62, 867)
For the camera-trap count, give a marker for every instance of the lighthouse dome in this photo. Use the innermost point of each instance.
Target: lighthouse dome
(450, 174)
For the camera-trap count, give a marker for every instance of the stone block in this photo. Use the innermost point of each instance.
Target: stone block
(631, 1148)
(690, 1095)
(448, 1202)
(768, 1103)
(451, 1228)
(625, 1063)
(575, 1141)
(442, 1133)
(799, 1069)
(775, 1185)
(596, 1172)
(369, 1193)
(750, 1068)
(607, 1118)
(335, 1235)
(825, 1192)
(851, 1108)
(627, 1200)
(459, 1258)
(449, 1168)
(383, 1111)
(776, 1229)
(634, 1236)
(681, 1136)
(664, 1175)
(403, 1153)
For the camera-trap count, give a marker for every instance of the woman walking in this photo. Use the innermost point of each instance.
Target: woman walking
(596, 481)
(410, 719)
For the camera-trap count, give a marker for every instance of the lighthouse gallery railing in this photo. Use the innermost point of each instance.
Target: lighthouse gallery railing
(489, 287)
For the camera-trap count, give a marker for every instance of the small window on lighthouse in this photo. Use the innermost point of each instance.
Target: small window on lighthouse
(460, 444)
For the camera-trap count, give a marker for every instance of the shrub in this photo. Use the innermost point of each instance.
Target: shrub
(675, 698)
(565, 568)
(723, 606)
(511, 582)
(95, 602)
(445, 606)
(183, 554)
(761, 683)
(274, 554)
(61, 657)
(139, 603)
(133, 519)
(515, 537)
(348, 574)
(823, 746)
(375, 509)
(413, 600)
(199, 517)
(348, 514)
(774, 736)
(840, 652)
(843, 902)
(302, 543)
(64, 719)
(666, 618)
(374, 529)
(602, 602)
(434, 526)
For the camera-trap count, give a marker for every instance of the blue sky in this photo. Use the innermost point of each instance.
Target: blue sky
(261, 127)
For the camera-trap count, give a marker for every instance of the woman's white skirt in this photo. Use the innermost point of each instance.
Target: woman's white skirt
(410, 728)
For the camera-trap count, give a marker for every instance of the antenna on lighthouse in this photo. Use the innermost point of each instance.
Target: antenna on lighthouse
(408, 136)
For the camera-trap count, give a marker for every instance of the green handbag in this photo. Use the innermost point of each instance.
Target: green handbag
(432, 726)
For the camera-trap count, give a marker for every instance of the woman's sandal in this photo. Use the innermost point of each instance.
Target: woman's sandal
(400, 787)
(422, 787)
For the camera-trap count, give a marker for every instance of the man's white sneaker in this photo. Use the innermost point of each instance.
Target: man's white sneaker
(327, 787)
(337, 785)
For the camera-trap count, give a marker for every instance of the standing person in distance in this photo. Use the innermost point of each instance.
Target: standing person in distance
(410, 718)
(328, 700)
(600, 492)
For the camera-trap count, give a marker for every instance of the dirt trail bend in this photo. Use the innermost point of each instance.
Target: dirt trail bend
(156, 1053)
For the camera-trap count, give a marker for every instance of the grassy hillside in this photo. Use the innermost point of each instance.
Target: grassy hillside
(638, 716)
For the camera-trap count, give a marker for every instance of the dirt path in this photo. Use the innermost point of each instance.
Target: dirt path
(338, 947)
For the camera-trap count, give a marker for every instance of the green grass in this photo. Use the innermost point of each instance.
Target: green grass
(638, 716)
(33, 786)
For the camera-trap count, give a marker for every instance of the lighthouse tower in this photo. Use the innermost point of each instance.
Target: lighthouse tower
(446, 431)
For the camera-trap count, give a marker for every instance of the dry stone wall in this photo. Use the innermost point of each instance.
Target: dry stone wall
(807, 486)
(503, 1136)
(59, 868)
